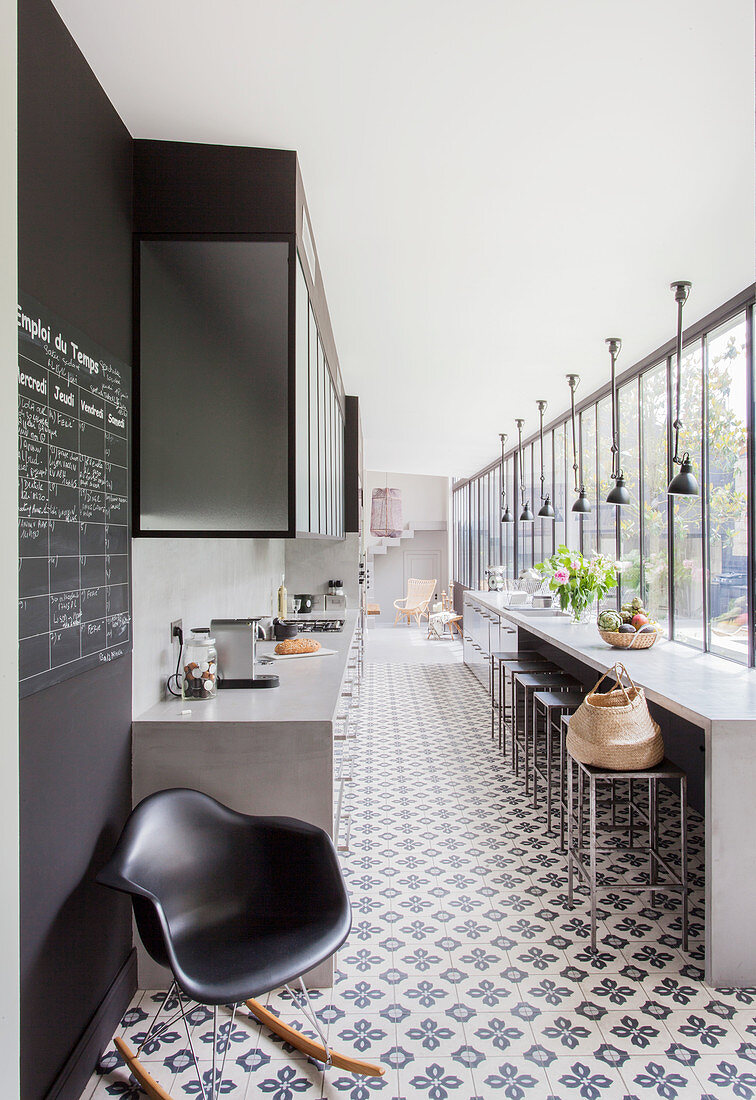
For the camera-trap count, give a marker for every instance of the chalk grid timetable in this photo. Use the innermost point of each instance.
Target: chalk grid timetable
(74, 508)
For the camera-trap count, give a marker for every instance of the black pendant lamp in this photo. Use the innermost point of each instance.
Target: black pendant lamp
(582, 505)
(618, 494)
(546, 510)
(683, 484)
(526, 516)
(506, 515)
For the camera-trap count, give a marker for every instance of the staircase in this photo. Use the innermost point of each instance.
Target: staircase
(383, 545)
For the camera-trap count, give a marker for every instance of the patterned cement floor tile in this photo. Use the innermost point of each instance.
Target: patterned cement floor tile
(466, 974)
(436, 1079)
(652, 1077)
(585, 1078)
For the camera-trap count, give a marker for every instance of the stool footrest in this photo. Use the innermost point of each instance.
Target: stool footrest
(583, 850)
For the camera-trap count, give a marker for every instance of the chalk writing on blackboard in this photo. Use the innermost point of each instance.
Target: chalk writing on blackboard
(74, 533)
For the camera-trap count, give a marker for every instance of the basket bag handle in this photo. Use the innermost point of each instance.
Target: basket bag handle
(617, 670)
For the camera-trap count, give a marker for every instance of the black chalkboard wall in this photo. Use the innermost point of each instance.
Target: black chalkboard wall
(74, 243)
(73, 526)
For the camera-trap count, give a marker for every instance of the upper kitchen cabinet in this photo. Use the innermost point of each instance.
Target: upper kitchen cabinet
(240, 403)
(353, 466)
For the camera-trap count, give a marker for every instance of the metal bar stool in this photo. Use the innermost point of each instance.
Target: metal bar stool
(553, 705)
(521, 663)
(666, 772)
(632, 805)
(528, 683)
(495, 681)
(511, 667)
(503, 667)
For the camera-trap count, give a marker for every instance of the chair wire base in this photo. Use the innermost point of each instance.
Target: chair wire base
(304, 1004)
(210, 1089)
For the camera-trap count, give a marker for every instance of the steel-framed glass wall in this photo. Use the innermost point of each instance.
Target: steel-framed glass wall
(691, 559)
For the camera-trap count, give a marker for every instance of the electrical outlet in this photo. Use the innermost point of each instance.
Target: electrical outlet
(176, 625)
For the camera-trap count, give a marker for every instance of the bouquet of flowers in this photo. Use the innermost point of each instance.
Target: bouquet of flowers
(578, 581)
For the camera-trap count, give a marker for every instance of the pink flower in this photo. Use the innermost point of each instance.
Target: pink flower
(561, 576)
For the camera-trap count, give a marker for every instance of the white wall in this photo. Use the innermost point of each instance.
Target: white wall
(390, 575)
(194, 580)
(311, 563)
(424, 498)
(9, 928)
(425, 506)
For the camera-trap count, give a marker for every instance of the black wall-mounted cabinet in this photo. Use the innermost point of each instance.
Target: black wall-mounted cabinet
(353, 467)
(239, 400)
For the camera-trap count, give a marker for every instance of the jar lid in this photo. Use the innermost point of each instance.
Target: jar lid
(201, 636)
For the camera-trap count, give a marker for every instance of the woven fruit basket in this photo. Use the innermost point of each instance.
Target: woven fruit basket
(629, 641)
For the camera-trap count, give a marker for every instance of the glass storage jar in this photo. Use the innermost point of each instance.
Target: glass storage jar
(200, 677)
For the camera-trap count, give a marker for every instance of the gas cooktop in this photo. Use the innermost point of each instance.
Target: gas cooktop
(318, 626)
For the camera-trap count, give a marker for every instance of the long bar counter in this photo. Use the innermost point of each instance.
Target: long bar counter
(707, 708)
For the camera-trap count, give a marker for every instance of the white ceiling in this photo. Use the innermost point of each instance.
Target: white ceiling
(495, 186)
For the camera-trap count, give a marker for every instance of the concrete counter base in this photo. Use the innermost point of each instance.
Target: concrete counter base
(257, 755)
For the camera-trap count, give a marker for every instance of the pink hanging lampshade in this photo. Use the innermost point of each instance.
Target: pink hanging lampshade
(386, 513)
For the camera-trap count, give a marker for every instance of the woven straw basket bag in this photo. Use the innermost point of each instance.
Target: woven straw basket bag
(614, 729)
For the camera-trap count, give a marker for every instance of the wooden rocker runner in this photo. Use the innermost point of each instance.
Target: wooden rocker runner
(235, 906)
(309, 1047)
(316, 1051)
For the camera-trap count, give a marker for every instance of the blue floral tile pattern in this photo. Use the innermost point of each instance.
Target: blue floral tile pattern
(466, 973)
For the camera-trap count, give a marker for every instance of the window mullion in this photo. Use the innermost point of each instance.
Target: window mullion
(670, 509)
(751, 483)
(705, 511)
(641, 499)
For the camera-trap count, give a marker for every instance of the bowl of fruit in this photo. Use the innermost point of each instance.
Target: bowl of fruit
(629, 628)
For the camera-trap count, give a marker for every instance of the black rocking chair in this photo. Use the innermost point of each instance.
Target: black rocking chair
(234, 906)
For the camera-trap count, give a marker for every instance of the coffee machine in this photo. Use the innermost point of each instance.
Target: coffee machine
(236, 645)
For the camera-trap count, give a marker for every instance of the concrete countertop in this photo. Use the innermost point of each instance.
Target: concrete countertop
(499, 601)
(309, 690)
(494, 601)
(697, 686)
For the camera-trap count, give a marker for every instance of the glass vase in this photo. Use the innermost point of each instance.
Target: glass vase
(581, 610)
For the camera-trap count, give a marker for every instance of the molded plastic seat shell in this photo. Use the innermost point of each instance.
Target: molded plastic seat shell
(234, 905)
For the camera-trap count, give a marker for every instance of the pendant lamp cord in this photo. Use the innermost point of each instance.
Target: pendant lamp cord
(573, 381)
(519, 460)
(541, 407)
(681, 296)
(503, 479)
(614, 350)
